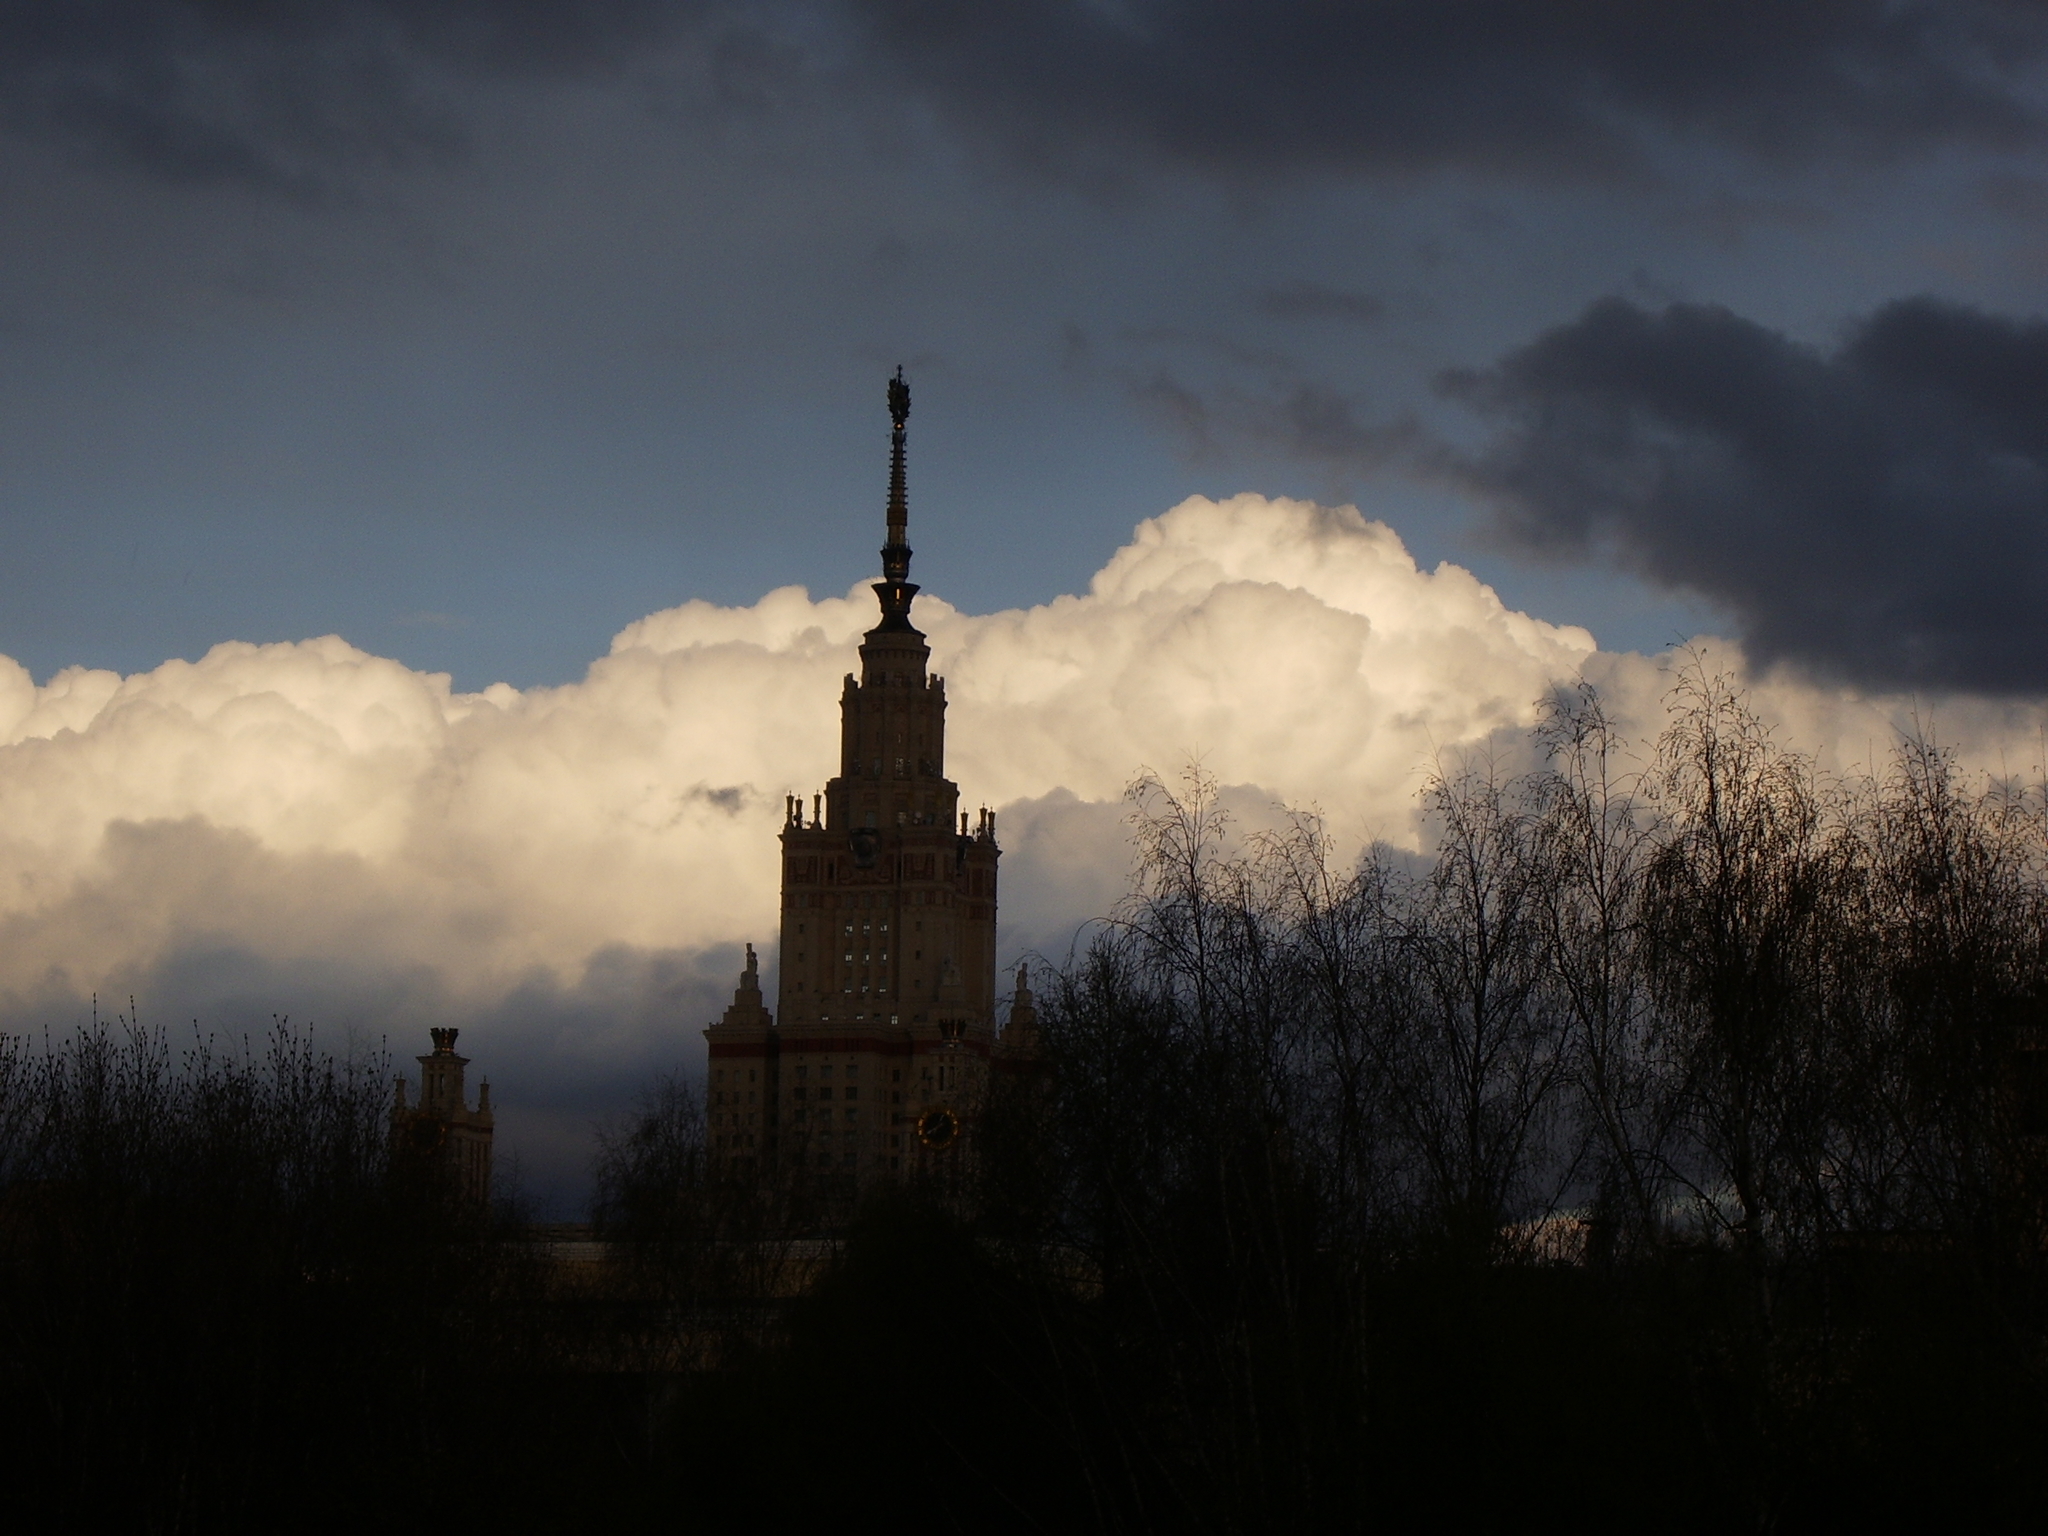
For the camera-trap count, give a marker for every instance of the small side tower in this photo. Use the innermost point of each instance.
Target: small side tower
(743, 1058)
(442, 1134)
(1019, 1042)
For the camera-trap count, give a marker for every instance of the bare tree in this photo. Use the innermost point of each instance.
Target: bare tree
(1595, 834)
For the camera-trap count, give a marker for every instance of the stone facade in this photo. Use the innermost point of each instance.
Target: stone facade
(877, 1057)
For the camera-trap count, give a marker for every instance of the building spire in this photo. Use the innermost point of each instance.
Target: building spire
(895, 589)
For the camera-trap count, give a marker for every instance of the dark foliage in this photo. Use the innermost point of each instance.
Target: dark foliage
(217, 1301)
(1664, 1151)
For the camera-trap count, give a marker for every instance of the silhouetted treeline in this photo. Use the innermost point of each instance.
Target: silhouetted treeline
(1714, 1000)
(1662, 1149)
(222, 1308)
(1665, 1148)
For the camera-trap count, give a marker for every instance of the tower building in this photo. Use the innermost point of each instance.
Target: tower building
(877, 1055)
(442, 1134)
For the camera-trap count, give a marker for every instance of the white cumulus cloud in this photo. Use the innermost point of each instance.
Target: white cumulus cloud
(567, 872)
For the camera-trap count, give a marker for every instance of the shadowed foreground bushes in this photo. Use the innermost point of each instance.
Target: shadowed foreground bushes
(216, 1302)
(1661, 1150)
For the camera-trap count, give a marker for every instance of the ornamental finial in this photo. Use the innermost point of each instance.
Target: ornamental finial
(895, 589)
(899, 399)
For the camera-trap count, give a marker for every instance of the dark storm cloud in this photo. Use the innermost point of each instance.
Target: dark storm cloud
(1218, 395)
(1303, 300)
(1296, 418)
(1878, 514)
(272, 94)
(242, 90)
(1568, 86)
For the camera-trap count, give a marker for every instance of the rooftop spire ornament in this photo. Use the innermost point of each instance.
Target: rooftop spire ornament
(895, 589)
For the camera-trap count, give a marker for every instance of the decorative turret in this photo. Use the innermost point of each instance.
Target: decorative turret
(1020, 1036)
(441, 1074)
(747, 1010)
(442, 1134)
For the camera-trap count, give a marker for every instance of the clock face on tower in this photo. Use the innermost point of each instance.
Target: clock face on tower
(937, 1128)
